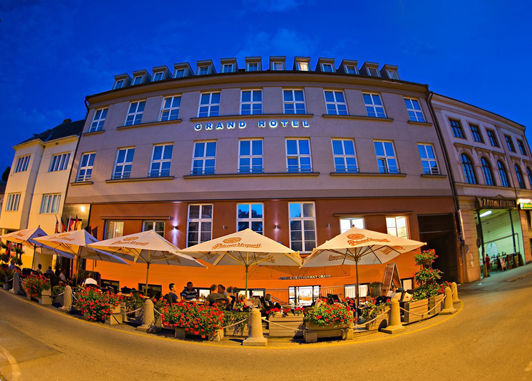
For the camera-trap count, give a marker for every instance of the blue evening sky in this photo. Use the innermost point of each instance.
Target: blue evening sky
(55, 52)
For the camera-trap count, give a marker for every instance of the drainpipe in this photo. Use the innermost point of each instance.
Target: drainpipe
(451, 180)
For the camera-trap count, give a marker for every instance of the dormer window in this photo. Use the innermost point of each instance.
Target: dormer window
(277, 66)
(351, 69)
(227, 68)
(302, 66)
(157, 76)
(373, 72)
(119, 84)
(180, 73)
(253, 66)
(137, 80)
(203, 70)
(392, 74)
(327, 67)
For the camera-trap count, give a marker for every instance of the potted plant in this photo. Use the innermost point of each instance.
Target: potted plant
(286, 322)
(375, 289)
(96, 305)
(328, 320)
(35, 285)
(231, 318)
(375, 315)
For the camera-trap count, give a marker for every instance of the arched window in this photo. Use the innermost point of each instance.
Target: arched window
(486, 170)
(529, 175)
(520, 179)
(469, 171)
(502, 174)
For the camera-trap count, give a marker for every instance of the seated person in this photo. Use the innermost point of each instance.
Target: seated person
(62, 276)
(215, 297)
(90, 282)
(172, 293)
(39, 269)
(246, 304)
(221, 290)
(268, 303)
(49, 271)
(189, 292)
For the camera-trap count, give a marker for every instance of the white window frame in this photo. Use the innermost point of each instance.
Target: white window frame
(200, 220)
(277, 66)
(178, 73)
(22, 163)
(293, 102)
(157, 76)
(59, 162)
(434, 169)
(161, 172)
(392, 74)
(386, 157)
(204, 158)
(171, 112)
(336, 103)
(137, 80)
(393, 228)
(328, 65)
(50, 203)
(298, 155)
(119, 84)
(351, 69)
(344, 156)
(87, 168)
(156, 226)
(123, 173)
(415, 115)
(13, 201)
(117, 228)
(252, 66)
(98, 120)
(302, 218)
(250, 219)
(225, 66)
(203, 70)
(209, 105)
(357, 222)
(251, 102)
(251, 156)
(374, 106)
(135, 117)
(303, 66)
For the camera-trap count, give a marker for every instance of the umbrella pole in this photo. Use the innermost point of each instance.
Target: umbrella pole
(33, 260)
(357, 289)
(247, 269)
(147, 275)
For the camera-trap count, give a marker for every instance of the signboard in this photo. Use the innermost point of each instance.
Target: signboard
(231, 125)
(524, 203)
(391, 274)
(496, 203)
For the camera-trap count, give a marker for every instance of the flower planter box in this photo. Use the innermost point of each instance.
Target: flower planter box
(136, 318)
(414, 310)
(313, 332)
(116, 316)
(46, 297)
(180, 333)
(237, 331)
(380, 322)
(435, 301)
(293, 326)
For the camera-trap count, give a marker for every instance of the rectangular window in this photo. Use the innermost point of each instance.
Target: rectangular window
(374, 107)
(98, 120)
(428, 159)
(392, 74)
(302, 226)
(199, 224)
(59, 162)
(85, 166)
(170, 108)
(351, 69)
(521, 146)
(298, 157)
(327, 67)
(335, 102)
(13, 200)
(456, 126)
(373, 72)
(277, 66)
(50, 203)
(202, 70)
(350, 290)
(303, 296)
(386, 159)
(253, 66)
(114, 229)
(22, 163)
(397, 226)
(493, 138)
(344, 155)
(119, 84)
(204, 160)
(209, 105)
(475, 131)
(124, 161)
(294, 102)
(509, 143)
(134, 115)
(348, 223)
(250, 102)
(137, 80)
(250, 216)
(161, 160)
(227, 68)
(302, 66)
(414, 110)
(250, 159)
(180, 73)
(157, 77)
(156, 226)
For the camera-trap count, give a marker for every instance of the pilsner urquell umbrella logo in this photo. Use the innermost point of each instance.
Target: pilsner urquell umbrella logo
(128, 239)
(232, 240)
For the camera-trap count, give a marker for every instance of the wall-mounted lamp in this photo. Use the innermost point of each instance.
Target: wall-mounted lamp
(276, 227)
(328, 225)
(175, 227)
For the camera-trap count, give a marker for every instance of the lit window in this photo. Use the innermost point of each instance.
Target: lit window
(327, 67)
(22, 163)
(180, 73)
(397, 226)
(294, 102)
(209, 105)
(156, 226)
(303, 66)
(202, 70)
(250, 159)
(204, 160)
(161, 160)
(250, 216)
(134, 115)
(170, 108)
(520, 179)
(503, 174)
(335, 102)
(386, 159)
(12, 203)
(199, 224)
(344, 155)
(428, 159)
(521, 146)
(475, 131)
(157, 77)
(277, 66)
(509, 143)
(50, 203)
(303, 296)
(253, 66)
(493, 138)
(124, 161)
(227, 68)
(251, 102)
(302, 226)
(456, 126)
(85, 167)
(351, 69)
(469, 171)
(98, 120)
(374, 107)
(59, 162)
(114, 229)
(348, 223)
(486, 170)
(414, 110)
(137, 80)
(119, 84)
(298, 155)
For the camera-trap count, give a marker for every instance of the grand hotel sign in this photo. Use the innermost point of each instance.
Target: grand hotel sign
(496, 203)
(260, 124)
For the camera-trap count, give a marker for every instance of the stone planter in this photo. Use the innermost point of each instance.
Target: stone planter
(293, 325)
(380, 322)
(242, 331)
(116, 316)
(136, 318)
(180, 333)
(414, 310)
(313, 332)
(435, 301)
(46, 297)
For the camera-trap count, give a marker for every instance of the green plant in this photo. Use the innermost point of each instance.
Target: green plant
(426, 257)
(427, 277)
(35, 284)
(96, 305)
(371, 310)
(337, 315)
(232, 317)
(375, 284)
(196, 319)
(57, 290)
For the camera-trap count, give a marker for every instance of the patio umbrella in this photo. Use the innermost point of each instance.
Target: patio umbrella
(359, 246)
(245, 248)
(146, 247)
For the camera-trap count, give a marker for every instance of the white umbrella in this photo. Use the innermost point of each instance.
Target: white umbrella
(245, 248)
(146, 247)
(360, 246)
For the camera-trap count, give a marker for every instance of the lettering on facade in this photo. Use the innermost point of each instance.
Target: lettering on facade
(304, 277)
(260, 124)
(496, 203)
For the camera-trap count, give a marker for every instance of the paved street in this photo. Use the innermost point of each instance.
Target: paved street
(489, 339)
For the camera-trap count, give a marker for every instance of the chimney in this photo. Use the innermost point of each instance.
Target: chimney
(67, 121)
